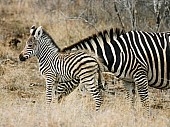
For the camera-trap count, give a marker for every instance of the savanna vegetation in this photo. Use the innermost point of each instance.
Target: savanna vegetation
(22, 96)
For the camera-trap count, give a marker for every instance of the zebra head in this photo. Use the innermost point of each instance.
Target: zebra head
(38, 43)
(31, 47)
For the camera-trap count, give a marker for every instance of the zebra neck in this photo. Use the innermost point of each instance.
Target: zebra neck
(46, 53)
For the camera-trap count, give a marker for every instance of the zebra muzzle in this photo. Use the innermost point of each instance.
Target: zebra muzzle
(22, 58)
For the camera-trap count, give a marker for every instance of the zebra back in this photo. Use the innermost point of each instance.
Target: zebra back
(82, 44)
(100, 44)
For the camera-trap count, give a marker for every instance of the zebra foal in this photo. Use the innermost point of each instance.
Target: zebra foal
(78, 66)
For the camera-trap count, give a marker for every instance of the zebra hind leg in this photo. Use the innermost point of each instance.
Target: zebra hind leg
(95, 92)
(142, 87)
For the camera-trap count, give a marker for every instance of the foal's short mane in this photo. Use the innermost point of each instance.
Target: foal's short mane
(52, 40)
(111, 33)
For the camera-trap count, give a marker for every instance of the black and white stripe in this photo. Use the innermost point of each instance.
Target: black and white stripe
(139, 58)
(62, 89)
(68, 67)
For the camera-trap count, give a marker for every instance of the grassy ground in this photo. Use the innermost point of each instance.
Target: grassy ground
(22, 89)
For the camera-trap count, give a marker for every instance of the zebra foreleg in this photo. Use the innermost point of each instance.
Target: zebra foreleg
(82, 89)
(60, 90)
(50, 81)
(130, 89)
(57, 94)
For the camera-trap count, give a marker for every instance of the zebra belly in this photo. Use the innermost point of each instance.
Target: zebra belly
(164, 84)
(159, 77)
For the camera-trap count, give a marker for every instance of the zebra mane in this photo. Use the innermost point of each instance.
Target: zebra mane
(113, 34)
(52, 40)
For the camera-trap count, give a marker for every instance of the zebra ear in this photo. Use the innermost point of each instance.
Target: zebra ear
(38, 32)
(167, 36)
(32, 29)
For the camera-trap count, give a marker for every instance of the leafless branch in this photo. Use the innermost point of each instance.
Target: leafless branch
(117, 12)
(157, 8)
(129, 5)
(79, 18)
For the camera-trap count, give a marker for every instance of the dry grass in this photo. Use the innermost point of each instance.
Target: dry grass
(28, 109)
(22, 96)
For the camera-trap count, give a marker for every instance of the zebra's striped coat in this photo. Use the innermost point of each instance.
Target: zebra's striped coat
(138, 58)
(77, 65)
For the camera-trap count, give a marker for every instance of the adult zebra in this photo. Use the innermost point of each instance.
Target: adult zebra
(77, 65)
(139, 58)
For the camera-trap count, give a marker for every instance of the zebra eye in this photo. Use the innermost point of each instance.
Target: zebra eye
(29, 45)
(38, 32)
